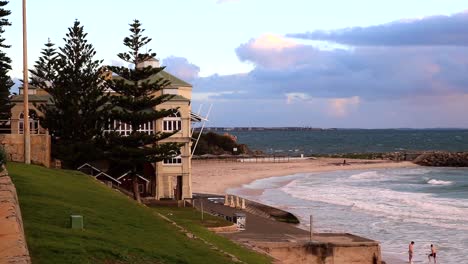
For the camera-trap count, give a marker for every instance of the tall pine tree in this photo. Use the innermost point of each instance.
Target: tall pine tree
(77, 113)
(135, 104)
(45, 69)
(5, 81)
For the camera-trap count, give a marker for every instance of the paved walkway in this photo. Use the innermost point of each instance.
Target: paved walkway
(259, 228)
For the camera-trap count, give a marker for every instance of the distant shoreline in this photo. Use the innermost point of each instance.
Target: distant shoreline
(215, 177)
(308, 128)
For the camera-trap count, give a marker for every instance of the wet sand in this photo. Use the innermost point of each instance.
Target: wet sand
(215, 177)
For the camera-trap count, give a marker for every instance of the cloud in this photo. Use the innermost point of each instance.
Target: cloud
(428, 31)
(340, 107)
(262, 50)
(181, 68)
(289, 72)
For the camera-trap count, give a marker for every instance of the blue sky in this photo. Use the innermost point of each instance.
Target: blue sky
(362, 63)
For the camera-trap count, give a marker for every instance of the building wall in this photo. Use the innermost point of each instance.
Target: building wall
(16, 110)
(166, 175)
(40, 148)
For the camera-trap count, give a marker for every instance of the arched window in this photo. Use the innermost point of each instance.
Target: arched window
(173, 122)
(126, 129)
(33, 122)
(173, 161)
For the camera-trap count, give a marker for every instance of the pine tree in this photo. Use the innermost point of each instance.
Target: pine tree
(45, 70)
(5, 81)
(77, 113)
(135, 104)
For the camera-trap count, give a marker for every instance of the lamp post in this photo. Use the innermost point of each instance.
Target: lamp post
(26, 132)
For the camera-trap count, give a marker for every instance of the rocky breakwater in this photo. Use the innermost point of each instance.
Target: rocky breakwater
(13, 248)
(443, 159)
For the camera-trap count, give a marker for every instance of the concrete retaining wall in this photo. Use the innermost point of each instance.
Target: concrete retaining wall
(13, 247)
(322, 253)
(40, 148)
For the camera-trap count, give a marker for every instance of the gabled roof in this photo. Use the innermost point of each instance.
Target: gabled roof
(175, 82)
(108, 176)
(126, 174)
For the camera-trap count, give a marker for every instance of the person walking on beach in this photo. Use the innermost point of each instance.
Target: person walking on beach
(410, 252)
(433, 254)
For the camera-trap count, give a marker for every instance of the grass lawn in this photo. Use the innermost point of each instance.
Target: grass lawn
(117, 230)
(191, 220)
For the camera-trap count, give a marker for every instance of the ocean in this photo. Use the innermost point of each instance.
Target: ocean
(352, 140)
(393, 206)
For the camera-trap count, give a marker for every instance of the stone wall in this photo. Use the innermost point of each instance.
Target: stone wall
(13, 247)
(14, 146)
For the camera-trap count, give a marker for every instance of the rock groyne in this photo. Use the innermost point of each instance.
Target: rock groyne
(443, 159)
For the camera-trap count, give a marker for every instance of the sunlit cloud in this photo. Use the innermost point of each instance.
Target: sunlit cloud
(341, 107)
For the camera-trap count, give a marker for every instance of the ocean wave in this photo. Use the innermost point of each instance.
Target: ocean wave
(396, 205)
(439, 182)
(366, 175)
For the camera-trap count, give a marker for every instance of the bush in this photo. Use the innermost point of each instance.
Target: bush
(3, 158)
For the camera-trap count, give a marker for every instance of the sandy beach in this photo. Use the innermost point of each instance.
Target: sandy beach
(216, 176)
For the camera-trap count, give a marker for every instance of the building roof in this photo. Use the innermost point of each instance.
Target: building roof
(32, 98)
(173, 79)
(175, 82)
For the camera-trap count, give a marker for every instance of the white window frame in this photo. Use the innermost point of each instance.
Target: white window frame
(126, 129)
(174, 161)
(34, 124)
(172, 123)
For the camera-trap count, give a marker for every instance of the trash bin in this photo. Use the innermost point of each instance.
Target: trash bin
(240, 221)
(76, 221)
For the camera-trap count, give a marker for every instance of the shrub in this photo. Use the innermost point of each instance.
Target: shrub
(3, 158)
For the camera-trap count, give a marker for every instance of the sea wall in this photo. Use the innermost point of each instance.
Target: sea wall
(13, 247)
(443, 159)
(323, 253)
(40, 148)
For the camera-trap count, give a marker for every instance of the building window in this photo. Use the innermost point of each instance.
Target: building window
(126, 129)
(173, 161)
(33, 123)
(172, 123)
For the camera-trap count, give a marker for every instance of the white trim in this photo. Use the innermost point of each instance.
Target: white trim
(123, 175)
(108, 176)
(139, 176)
(92, 167)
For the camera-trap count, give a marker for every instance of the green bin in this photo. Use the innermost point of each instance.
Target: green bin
(76, 221)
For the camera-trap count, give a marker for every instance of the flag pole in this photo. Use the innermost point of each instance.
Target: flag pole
(26, 132)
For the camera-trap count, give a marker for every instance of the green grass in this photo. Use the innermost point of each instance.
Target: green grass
(191, 220)
(117, 230)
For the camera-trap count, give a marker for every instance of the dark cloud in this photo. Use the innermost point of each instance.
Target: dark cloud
(181, 68)
(367, 72)
(430, 31)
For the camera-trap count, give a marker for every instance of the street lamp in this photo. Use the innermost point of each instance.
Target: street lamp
(27, 135)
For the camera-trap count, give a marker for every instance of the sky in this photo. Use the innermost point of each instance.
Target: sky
(275, 63)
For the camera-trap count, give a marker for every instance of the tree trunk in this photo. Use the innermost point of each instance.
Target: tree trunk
(136, 191)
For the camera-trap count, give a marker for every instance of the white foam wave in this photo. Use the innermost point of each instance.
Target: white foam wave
(439, 182)
(402, 206)
(366, 175)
